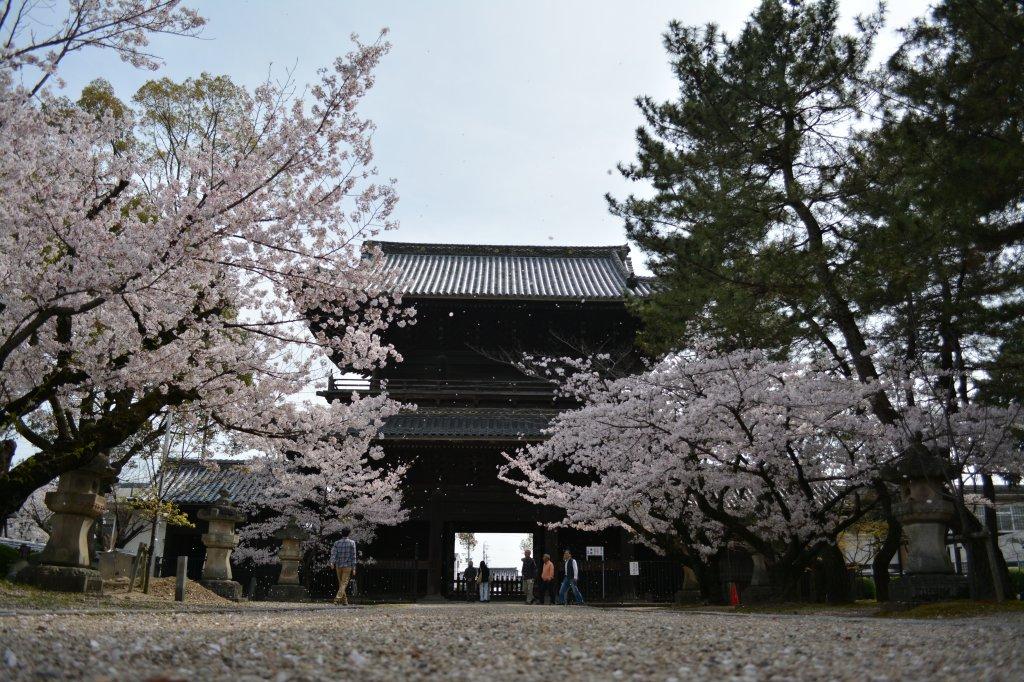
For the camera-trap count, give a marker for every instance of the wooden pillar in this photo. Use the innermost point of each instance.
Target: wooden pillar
(435, 550)
(448, 557)
(180, 578)
(551, 544)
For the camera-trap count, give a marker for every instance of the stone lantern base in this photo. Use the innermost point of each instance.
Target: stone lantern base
(690, 594)
(757, 594)
(287, 593)
(229, 589)
(62, 578)
(923, 587)
(687, 597)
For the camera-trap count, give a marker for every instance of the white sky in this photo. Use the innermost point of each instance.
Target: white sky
(502, 121)
(503, 550)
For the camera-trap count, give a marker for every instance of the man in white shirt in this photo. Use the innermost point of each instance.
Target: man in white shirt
(572, 574)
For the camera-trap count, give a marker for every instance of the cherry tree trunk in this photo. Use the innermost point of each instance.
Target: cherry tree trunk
(880, 564)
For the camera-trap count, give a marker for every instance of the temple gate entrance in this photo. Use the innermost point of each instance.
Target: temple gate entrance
(479, 308)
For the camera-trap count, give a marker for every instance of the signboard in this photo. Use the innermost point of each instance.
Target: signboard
(634, 568)
(595, 551)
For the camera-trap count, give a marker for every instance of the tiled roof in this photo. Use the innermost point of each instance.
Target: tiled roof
(468, 423)
(199, 482)
(510, 272)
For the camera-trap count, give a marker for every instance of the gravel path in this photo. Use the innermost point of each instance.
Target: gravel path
(498, 642)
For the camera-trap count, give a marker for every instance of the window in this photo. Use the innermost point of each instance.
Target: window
(1010, 517)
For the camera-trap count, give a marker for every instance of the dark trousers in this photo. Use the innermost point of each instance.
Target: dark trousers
(547, 587)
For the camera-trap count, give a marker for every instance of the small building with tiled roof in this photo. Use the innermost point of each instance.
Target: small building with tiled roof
(195, 482)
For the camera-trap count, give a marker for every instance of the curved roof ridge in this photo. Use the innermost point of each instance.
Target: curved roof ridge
(519, 272)
(437, 248)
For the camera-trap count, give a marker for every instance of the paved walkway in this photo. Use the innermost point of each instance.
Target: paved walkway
(503, 642)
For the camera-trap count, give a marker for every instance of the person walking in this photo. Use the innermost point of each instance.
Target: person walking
(547, 579)
(470, 575)
(343, 561)
(572, 574)
(485, 582)
(529, 574)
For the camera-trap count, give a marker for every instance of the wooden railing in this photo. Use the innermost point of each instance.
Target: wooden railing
(501, 588)
(529, 388)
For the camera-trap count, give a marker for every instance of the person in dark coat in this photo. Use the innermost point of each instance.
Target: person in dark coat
(485, 582)
(470, 575)
(529, 574)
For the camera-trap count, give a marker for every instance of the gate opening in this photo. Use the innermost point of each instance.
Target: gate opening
(503, 553)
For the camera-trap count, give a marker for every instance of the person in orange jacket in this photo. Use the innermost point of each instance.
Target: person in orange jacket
(547, 580)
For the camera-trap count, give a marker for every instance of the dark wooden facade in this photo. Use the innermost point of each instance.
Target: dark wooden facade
(478, 310)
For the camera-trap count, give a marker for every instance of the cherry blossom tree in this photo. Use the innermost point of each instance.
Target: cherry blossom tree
(326, 484)
(710, 448)
(151, 260)
(31, 521)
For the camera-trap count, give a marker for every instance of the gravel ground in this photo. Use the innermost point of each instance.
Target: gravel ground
(498, 642)
(162, 590)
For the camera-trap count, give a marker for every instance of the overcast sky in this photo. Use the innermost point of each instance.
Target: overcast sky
(502, 121)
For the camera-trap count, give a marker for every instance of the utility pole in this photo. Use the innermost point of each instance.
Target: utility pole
(157, 492)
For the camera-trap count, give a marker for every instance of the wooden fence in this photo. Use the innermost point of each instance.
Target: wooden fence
(501, 589)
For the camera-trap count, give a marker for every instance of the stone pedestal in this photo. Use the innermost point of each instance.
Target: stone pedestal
(288, 587)
(925, 512)
(64, 564)
(116, 564)
(760, 589)
(220, 540)
(690, 592)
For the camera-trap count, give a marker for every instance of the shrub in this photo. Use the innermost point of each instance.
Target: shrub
(1017, 580)
(863, 588)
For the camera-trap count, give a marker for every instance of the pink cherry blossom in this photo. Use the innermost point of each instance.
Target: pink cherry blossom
(220, 273)
(708, 448)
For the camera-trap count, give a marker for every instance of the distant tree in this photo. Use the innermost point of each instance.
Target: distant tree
(162, 470)
(861, 542)
(525, 544)
(125, 521)
(468, 541)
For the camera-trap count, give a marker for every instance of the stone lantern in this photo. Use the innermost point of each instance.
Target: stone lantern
(925, 511)
(760, 587)
(288, 587)
(690, 592)
(64, 563)
(220, 540)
